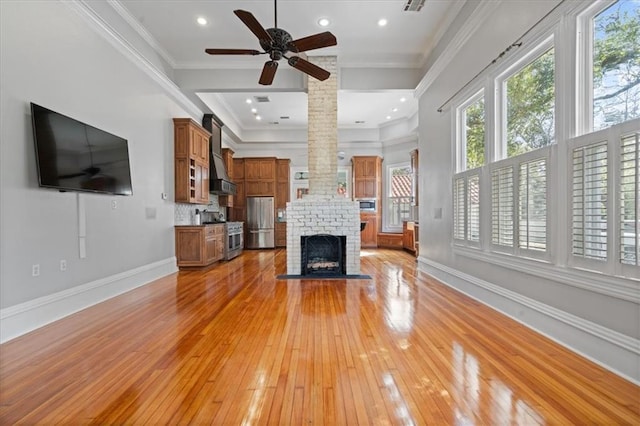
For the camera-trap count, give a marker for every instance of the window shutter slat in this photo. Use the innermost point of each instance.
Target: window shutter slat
(629, 187)
(589, 201)
(502, 206)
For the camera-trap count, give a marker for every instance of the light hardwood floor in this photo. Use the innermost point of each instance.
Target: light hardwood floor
(233, 345)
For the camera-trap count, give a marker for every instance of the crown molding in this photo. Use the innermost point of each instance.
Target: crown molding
(471, 25)
(142, 31)
(111, 35)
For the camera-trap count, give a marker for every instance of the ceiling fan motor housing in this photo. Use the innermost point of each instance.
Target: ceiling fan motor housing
(279, 43)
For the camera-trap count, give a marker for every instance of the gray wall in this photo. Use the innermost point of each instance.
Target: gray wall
(436, 143)
(50, 56)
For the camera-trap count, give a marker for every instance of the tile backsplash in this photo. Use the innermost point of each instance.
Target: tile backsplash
(184, 213)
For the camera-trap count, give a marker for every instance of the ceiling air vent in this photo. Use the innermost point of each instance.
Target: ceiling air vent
(284, 117)
(359, 121)
(413, 5)
(262, 99)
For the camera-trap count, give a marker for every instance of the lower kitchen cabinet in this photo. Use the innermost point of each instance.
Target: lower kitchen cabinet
(199, 245)
(369, 235)
(281, 234)
(410, 232)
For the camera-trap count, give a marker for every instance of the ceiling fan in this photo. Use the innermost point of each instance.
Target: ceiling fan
(278, 43)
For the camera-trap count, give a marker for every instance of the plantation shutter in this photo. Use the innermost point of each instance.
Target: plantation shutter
(589, 201)
(458, 208)
(473, 208)
(629, 210)
(532, 206)
(502, 206)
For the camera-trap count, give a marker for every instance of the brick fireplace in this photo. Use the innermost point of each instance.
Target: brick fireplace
(323, 211)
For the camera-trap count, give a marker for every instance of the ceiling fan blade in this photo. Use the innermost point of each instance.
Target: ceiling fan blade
(309, 68)
(232, 52)
(268, 72)
(253, 24)
(316, 41)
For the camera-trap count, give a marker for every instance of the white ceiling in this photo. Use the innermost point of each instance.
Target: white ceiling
(405, 42)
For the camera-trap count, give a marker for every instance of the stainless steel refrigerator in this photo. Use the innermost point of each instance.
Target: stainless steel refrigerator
(260, 222)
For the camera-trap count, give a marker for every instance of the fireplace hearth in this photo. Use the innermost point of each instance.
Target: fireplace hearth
(323, 254)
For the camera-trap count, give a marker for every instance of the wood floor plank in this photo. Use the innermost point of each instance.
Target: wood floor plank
(231, 344)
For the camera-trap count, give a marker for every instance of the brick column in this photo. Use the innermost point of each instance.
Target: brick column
(323, 129)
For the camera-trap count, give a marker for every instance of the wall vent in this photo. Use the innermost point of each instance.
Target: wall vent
(413, 5)
(262, 99)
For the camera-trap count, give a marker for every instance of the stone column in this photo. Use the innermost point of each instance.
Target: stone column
(323, 129)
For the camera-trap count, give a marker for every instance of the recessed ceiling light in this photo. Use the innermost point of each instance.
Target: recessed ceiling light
(403, 99)
(394, 109)
(253, 110)
(201, 20)
(248, 100)
(388, 117)
(382, 22)
(323, 22)
(258, 118)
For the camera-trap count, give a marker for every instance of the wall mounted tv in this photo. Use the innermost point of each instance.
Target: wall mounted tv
(74, 156)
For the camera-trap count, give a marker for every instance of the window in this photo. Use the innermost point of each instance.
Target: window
(399, 199)
(471, 124)
(629, 191)
(530, 106)
(561, 186)
(519, 204)
(615, 64)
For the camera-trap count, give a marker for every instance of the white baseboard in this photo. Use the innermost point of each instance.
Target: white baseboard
(20, 319)
(610, 349)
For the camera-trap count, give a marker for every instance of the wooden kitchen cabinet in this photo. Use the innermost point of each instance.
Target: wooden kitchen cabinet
(191, 161)
(410, 236)
(367, 176)
(260, 177)
(282, 197)
(238, 212)
(260, 168)
(369, 235)
(281, 234)
(199, 245)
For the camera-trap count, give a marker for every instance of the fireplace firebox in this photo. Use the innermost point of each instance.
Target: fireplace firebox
(323, 254)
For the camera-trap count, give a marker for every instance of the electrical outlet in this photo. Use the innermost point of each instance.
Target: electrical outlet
(114, 204)
(63, 265)
(35, 270)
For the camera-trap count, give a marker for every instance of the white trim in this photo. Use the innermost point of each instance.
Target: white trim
(462, 36)
(610, 349)
(25, 317)
(110, 34)
(142, 31)
(619, 288)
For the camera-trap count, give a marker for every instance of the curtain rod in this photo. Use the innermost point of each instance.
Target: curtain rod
(516, 43)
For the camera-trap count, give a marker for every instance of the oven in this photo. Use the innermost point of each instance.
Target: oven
(234, 239)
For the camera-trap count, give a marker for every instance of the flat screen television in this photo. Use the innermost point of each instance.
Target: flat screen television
(74, 156)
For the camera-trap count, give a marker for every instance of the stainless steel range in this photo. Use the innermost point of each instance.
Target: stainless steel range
(234, 239)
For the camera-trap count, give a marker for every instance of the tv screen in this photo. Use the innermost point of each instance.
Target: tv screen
(74, 156)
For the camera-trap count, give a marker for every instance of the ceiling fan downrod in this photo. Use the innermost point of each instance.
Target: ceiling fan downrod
(275, 13)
